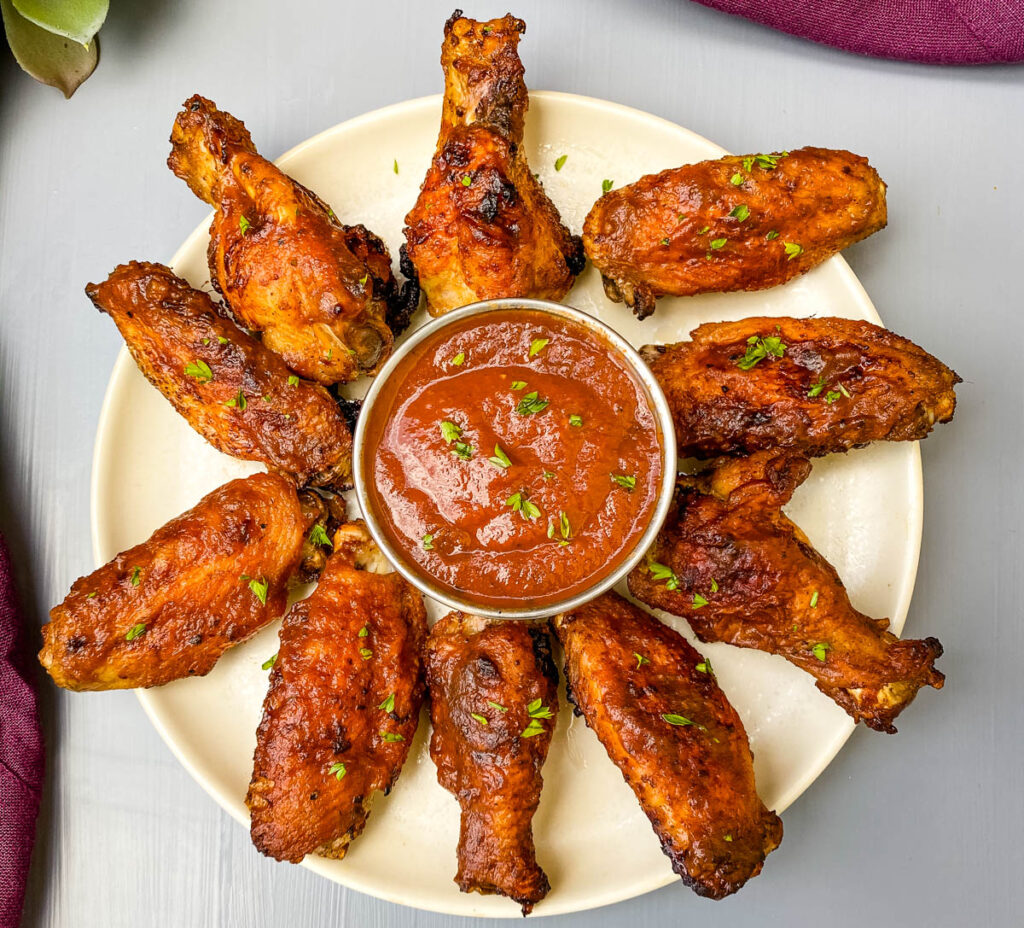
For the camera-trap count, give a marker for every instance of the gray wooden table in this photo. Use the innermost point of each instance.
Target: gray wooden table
(922, 828)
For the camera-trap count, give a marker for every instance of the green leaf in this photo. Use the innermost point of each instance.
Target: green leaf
(79, 20)
(51, 59)
(678, 720)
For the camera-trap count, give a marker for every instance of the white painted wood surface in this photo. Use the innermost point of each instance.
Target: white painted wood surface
(918, 829)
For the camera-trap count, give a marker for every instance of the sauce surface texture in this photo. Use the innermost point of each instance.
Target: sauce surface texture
(514, 457)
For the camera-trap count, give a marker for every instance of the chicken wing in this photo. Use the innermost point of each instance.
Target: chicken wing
(483, 227)
(344, 701)
(493, 688)
(169, 608)
(738, 223)
(237, 394)
(654, 703)
(320, 292)
(739, 571)
(810, 386)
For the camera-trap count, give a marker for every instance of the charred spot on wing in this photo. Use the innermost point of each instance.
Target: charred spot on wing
(575, 256)
(541, 642)
(350, 410)
(402, 302)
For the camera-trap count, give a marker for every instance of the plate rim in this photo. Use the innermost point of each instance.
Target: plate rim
(124, 366)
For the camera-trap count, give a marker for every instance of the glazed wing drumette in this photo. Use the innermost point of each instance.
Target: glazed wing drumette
(738, 570)
(809, 386)
(343, 704)
(169, 608)
(483, 227)
(493, 702)
(240, 396)
(653, 702)
(320, 292)
(738, 223)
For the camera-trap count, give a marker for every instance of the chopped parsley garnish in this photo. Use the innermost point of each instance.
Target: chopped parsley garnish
(466, 180)
(199, 370)
(626, 481)
(640, 660)
(551, 529)
(396, 166)
(537, 710)
(661, 572)
(462, 450)
(389, 704)
(364, 632)
(740, 212)
(450, 431)
(664, 241)
(535, 727)
(259, 589)
(527, 509)
(318, 536)
(92, 595)
(705, 229)
(560, 162)
(537, 346)
(679, 720)
(518, 384)
(698, 601)
(531, 403)
(500, 459)
(458, 359)
(718, 243)
(820, 649)
(293, 380)
(337, 770)
(428, 542)
(269, 662)
(606, 185)
(792, 249)
(705, 667)
(814, 599)
(727, 838)
(135, 632)
(760, 348)
(364, 279)
(480, 718)
(497, 705)
(843, 390)
(222, 339)
(391, 736)
(817, 386)
(832, 396)
(714, 585)
(772, 235)
(549, 475)
(136, 575)
(365, 653)
(576, 421)
(206, 341)
(736, 180)
(238, 401)
(244, 225)
(564, 528)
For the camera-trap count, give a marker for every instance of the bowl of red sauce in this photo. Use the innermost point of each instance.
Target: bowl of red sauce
(514, 458)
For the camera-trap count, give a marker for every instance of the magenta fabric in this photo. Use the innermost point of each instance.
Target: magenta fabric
(930, 31)
(22, 759)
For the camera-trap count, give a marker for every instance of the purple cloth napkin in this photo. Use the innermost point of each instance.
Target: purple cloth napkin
(22, 758)
(930, 31)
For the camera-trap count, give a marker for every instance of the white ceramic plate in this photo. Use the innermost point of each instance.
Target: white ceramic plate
(862, 511)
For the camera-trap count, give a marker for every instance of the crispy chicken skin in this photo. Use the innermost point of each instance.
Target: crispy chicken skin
(169, 608)
(728, 542)
(483, 227)
(237, 394)
(654, 703)
(490, 758)
(320, 292)
(738, 223)
(838, 383)
(343, 704)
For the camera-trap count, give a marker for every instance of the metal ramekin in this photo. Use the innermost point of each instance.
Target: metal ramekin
(667, 440)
